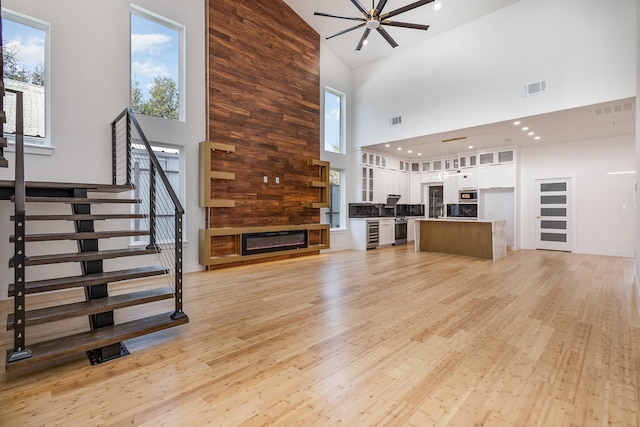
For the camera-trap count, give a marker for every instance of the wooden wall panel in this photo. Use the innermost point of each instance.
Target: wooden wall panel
(264, 98)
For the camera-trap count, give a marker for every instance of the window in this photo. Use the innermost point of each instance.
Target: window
(170, 159)
(334, 121)
(157, 82)
(334, 213)
(25, 53)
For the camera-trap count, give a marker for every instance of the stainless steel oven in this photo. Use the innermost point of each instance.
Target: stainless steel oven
(468, 195)
(401, 231)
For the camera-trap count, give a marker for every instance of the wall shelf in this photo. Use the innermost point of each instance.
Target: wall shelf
(322, 184)
(207, 175)
(228, 242)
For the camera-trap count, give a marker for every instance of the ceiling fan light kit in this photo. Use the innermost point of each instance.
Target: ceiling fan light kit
(374, 19)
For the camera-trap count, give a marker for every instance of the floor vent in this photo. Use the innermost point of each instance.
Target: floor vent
(616, 108)
(395, 121)
(535, 88)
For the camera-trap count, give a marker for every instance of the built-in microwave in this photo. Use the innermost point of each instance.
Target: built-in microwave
(469, 196)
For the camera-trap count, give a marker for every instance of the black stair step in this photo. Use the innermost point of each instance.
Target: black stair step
(44, 353)
(85, 256)
(77, 200)
(89, 279)
(81, 236)
(85, 308)
(81, 217)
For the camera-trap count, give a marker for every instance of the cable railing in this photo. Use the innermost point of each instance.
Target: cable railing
(135, 164)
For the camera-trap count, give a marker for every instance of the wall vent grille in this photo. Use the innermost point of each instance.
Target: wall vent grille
(535, 88)
(395, 121)
(616, 108)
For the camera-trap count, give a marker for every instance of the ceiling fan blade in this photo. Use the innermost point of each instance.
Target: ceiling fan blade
(363, 38)
(405, 25)
(380, 6)
(387, 37)
(361, 8)
(338, 16)
(345, 31)
(405, 9)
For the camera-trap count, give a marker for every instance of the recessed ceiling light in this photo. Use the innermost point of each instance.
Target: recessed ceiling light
(516, 123)
(419, 154)
(536, 138)
(530, 133)
(470, 147)
(410, 151)
(525, 128)
(437, 6)
(365, 42)
(399, 148)
(386, 145)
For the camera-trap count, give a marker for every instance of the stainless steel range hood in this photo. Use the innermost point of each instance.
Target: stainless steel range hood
(392, 199)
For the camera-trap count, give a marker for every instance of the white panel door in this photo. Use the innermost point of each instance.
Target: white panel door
(553, 214)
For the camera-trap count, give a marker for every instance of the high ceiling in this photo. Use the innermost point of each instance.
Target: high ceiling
(608, 119)
(451, 14)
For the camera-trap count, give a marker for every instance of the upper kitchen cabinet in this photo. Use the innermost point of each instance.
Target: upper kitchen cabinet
(497, 176)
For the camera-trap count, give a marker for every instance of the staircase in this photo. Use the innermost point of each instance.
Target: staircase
(51, 207)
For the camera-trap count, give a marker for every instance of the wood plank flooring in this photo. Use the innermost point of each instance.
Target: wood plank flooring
(388, 337)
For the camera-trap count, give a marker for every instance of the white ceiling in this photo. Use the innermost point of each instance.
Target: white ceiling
(452, 14)
(570, 125)
(595, 121)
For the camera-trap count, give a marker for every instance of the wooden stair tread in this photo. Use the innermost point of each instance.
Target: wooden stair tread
(81, 236)
(78, 200)
(44, 352)
(101, 188)
(81, 217)
(85, 256)
(89, 279)
(85, 308)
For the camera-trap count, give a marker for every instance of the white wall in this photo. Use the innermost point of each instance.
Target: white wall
(475, 74)
(637, 195)
(604, 204)
(336, 75)
(90, 86)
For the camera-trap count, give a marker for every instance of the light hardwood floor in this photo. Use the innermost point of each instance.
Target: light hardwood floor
(387, 337)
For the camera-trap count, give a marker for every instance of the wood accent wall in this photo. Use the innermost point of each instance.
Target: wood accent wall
(264, 98)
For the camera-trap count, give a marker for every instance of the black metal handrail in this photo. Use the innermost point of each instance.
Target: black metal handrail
(128, 140)
(20, 350)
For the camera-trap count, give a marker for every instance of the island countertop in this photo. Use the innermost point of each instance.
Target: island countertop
(482, 238)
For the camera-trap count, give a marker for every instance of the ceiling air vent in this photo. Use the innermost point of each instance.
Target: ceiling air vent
(616, 108)
(395, 121)
(535, 88)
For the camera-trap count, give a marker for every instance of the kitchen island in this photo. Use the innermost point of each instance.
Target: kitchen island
(477, 238)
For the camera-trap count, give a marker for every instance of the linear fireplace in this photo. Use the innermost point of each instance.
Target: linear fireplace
(272, 241)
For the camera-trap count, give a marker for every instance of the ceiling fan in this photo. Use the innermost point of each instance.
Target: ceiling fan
(375, 20)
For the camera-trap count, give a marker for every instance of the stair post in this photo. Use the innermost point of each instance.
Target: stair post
(20, 350)
(152, 206)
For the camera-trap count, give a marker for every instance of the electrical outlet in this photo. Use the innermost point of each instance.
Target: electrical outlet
(277, 180)
(266, 179)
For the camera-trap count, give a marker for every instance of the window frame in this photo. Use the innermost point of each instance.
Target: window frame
(181, 30)
(34, 144)
(343, 203)
(342, 132)
(180, 188)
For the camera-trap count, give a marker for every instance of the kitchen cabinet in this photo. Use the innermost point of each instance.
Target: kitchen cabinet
(451, 190)
(415, 188)
(467, 179)
(387, 232)
(411, 231)
(497, 176)
(366, 178)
